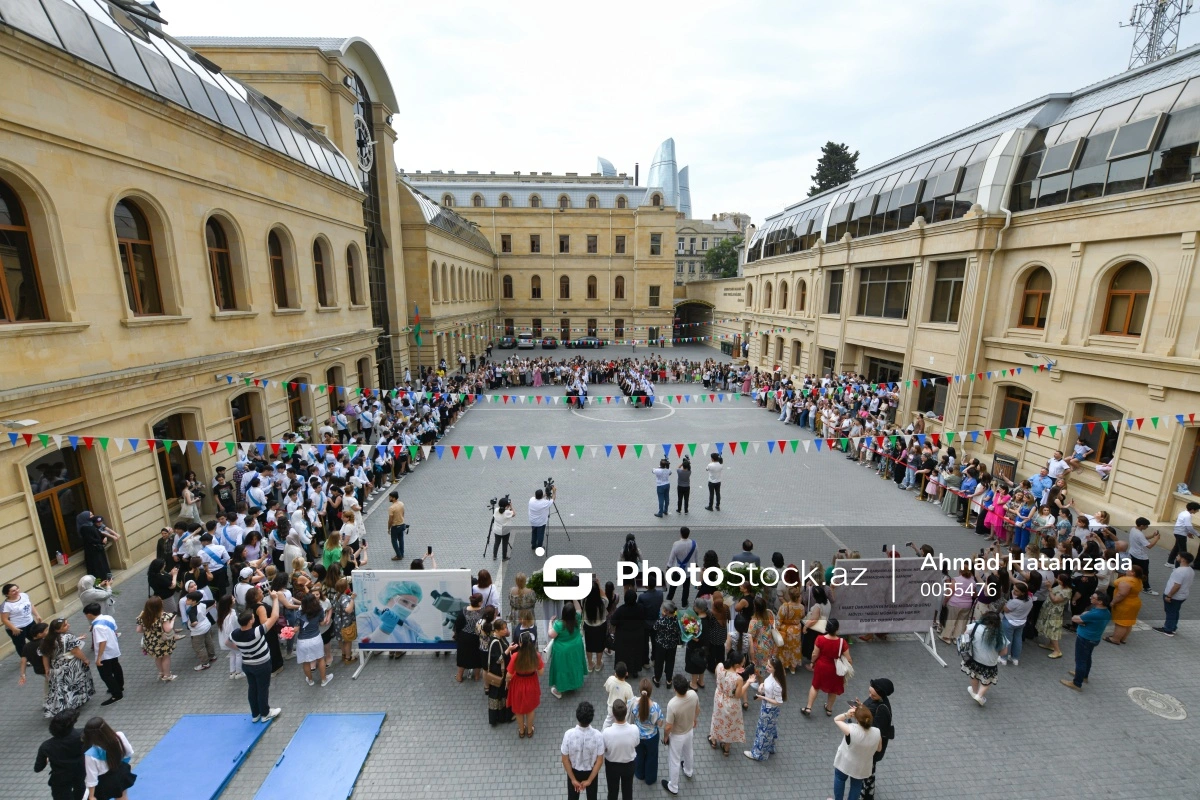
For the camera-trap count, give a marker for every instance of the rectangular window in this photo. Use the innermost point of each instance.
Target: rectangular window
(947, 290)
(564, 243)
(679, 267)
(535, 243)
(828, 362)
(619, 331)
(592, 244)
(1014, 412)
(620, 248)
(680, 246)
(691, 268)
(932, 395)
(654, 296)
(1192, 476)
(704, 243)
(509, 327)
(836, 278)
(506, 243)
(656, 244)
(882, 370)
(537, 328)
(564, 329)
(692, 245)
(591, 326)
(883, 291)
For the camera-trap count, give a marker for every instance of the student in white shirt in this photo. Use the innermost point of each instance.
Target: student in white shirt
(106, 758)
(620, 749)
(204, 637)
(714, 468)
(108, 651)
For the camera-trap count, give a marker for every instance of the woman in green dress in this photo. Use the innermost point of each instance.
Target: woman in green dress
(568, 665)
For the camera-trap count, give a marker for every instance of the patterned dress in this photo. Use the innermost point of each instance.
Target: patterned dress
(767, 732)
(762, 643)
(497, 663)
(154, 641)
(790, 616)
(70, 681)
(726, 726)
(1050, 621)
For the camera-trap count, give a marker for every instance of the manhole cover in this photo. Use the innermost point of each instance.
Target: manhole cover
(1163, 705)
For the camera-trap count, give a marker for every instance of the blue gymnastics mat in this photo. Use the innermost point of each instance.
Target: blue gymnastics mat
(172, 770)
(306, 769)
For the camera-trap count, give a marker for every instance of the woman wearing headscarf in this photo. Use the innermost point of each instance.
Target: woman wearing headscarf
(629, 638)
(496, 664)
(880, 706)
(95, 535)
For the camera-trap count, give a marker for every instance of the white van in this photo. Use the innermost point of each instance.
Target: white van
(525, 341)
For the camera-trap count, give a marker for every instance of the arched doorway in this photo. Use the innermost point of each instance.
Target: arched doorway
(693, 322)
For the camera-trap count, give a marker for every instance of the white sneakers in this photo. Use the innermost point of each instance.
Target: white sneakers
(272, 714)
(328, 678)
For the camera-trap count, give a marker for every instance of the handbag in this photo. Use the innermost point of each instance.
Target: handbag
(841, 665)
(966, 643)
(350, 632)
(776, 636)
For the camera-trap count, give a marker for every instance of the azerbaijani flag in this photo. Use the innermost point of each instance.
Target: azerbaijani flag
(417, 323)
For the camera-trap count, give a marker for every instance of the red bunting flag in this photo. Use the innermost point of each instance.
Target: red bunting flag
(454, 450)
(212, 447)
(621, 450)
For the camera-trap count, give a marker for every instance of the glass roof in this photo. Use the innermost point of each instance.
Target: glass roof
(449, 222)
(129, 47)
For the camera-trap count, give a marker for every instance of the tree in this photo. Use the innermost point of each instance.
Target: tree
(836, 166)
(721, 260)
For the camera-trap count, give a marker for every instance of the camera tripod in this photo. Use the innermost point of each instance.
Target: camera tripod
(554, 505)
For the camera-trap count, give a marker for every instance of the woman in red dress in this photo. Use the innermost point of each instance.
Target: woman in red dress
(826, 650)
(524, 686)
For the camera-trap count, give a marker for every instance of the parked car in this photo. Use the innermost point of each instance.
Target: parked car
(507, 343)
(549, 343)
(525, 341)
(588, 343)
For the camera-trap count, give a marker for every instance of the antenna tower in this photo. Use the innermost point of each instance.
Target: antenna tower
(1155, 26)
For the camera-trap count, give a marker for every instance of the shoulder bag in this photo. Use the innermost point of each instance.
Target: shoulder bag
(841, 664)
(490, 678)
(775, 634)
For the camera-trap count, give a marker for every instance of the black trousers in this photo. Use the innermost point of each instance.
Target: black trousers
(619, 777)
(714, 490)
(593, 791)
(664, 660)
(1180, 547)
(687, 587)
(258, 688)
(71, 789)
(112, 675)
(500, 540)
(683, 494)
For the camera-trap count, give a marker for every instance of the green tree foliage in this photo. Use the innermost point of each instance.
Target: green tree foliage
(721, 260)
(836, 166)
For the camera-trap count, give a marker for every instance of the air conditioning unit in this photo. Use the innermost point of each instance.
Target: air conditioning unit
(1194, 168)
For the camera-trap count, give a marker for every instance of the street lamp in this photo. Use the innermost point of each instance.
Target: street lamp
(227, 376)
(327, 350)
(17, 424)
(1050, 362)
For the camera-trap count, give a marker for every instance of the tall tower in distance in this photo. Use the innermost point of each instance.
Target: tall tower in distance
(1155, 26)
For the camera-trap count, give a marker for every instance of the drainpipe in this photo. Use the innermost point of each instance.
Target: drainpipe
(1012, 171)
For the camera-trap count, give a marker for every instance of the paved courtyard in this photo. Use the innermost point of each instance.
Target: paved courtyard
(1034, 739)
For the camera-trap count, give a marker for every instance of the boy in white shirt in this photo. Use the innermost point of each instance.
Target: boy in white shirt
(204, 637)
(618, 689)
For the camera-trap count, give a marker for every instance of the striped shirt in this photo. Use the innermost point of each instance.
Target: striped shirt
(253, 644)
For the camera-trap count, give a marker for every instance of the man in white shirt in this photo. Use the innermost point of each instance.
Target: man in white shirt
(215, 559)
(1057, 466)
(1184, 530)
(1178, 587)
(714, 468)
(229, 533)
(583, 754)
(1140, 547)
(620, 748)
(683, 554)
(108, 651)
(662, 485)
(539, 516)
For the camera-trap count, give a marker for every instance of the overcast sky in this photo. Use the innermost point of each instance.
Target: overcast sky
(749, 91)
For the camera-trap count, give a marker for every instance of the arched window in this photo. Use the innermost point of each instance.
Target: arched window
(174, 463)
(619, 288)
(783, 289)
(448, 200)
(767, 295)
(352, 273)
(564, 288)
(477, 201)
(281, 287)
(564, 201)
(433, 283)
(142, 288)
(21, 297)
(656, 200)
(535, 201)
(505, 201)
(246, 412)
(1098, 436)
(622, 202)
(591, 287)
(1035, 299)
(1128, 297)
(321, 270)
(447, 289)
(507, 283)
(535, 287)
(298, 402)
(462, 285)
(219, 265)
(801, 295)
(593, 201)
(749, 295)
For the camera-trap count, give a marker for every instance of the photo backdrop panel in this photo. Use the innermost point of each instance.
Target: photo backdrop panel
(409, 609)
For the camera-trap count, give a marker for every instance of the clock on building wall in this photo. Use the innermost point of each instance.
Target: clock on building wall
(366, 146)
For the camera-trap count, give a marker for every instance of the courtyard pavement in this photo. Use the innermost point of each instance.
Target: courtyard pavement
(1035, 738)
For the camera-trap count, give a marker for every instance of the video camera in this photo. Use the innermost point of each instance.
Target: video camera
(506, 499)
(548, 485)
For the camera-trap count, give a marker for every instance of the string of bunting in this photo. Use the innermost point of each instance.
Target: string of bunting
(566, 451)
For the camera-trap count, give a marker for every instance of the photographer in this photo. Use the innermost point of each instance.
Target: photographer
(539, 514)
(501, 514)
(714, 468)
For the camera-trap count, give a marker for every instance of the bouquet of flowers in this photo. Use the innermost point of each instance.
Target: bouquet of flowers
(287, 632)
(689, 626)
(564, 577)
